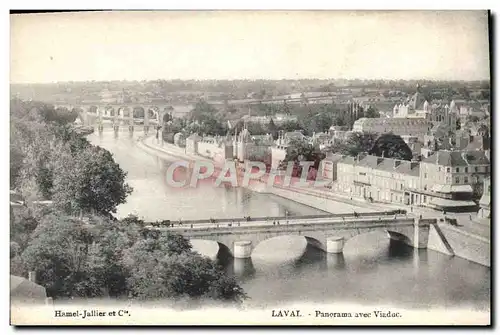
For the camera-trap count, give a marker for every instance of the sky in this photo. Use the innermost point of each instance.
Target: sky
(440, 45)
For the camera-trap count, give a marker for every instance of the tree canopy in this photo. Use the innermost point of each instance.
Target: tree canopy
(50, 161)
(355, 144)
(122, 259)
(299, 151)
(391, 146)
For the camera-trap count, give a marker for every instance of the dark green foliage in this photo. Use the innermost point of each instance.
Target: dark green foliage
(272, 129)
(89, 181)
(371, 112)
(111, 257)
(391, 146)
(299, 151)
(355, 144)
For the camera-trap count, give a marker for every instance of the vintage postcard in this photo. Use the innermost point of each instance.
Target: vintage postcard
(250, 168)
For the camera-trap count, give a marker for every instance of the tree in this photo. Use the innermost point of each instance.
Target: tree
(272, 129)
(298, 151)
(60, 253)
(391, 146)
(165, 267)
(371, 112)
(290, 126)
(355, 144)
(319, 122)
(22, 225)
(472, 118)
(338, 121)
(88, 181)
(201, 111)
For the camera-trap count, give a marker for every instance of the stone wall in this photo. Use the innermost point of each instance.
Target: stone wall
(459, 243)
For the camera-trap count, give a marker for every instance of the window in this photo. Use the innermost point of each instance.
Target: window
(439, 169)
(401, 186)
(447, 169)
(425, 198)
(425, 175)
(457, 170)
(457, 180)
(486, 169)
(466, 180)
(476, 169)
(466, 170)
(425, 187)
(448, 179)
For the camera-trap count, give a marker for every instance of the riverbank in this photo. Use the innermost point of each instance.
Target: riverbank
(470, 240)
(308, 197)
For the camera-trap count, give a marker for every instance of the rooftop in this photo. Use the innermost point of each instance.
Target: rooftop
(458, 158)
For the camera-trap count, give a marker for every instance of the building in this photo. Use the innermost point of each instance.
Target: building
(252, 147)
(192, 143)
(329, 166)
(379, 179)
(446, 180)
(26, 291)
(321, 140)
(484, 202)
(180, 140)
(413, 143)
(398, 126)
(216, 148)
(452, 179)
(278, 151)
(416, 107)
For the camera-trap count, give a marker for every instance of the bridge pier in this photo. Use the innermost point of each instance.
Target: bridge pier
(242, 249)
(335, 244)
(421, 233)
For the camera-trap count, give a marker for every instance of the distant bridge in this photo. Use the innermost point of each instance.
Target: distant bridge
(120, 114)
(326, 233)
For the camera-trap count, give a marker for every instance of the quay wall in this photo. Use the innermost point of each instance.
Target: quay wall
(454, 241)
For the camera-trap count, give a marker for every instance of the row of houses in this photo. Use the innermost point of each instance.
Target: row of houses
(446, 180)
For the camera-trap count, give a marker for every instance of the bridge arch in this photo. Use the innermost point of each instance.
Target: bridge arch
(80, 112)
(93, 109)
(154, 112)
(138, 112)
(124, 111)
(167, 114)
(109, 111)
(398, 236)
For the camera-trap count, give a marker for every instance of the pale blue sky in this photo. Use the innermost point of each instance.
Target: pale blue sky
(228, 45)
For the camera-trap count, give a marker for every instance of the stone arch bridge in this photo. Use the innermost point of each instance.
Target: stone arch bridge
(121, 114)
(327, 235)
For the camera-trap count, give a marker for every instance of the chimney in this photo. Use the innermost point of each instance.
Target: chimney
(32, 276)
(397, 163)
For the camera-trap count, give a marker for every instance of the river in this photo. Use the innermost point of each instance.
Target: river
(372, 269)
